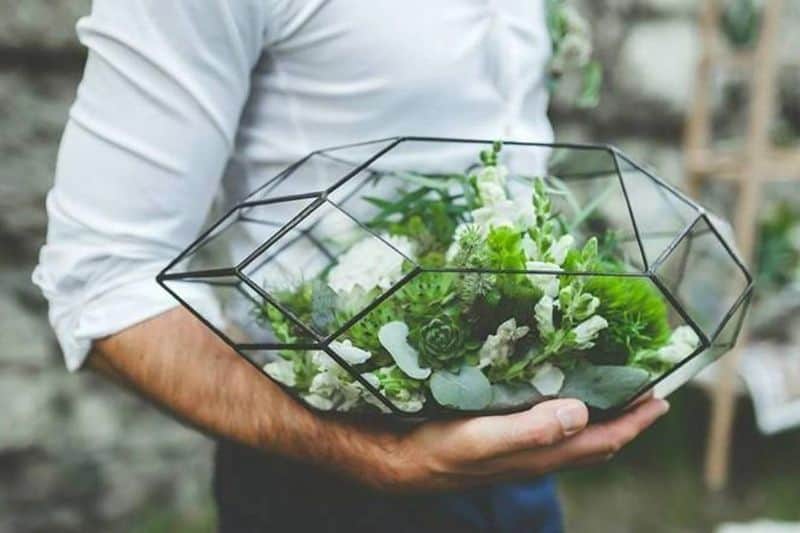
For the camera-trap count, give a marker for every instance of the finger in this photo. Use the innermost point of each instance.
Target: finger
(610, 437)
(597, 441)
(543, 425)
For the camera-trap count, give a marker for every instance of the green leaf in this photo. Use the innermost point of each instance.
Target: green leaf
(592, 84)
(603, 386)
(323, 305)
(468, 390)
(393, 337)
(517, 395)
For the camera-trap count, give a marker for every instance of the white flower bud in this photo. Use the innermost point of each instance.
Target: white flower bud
(281, 371)
(547, 283)
(586, 332)
(543, 311)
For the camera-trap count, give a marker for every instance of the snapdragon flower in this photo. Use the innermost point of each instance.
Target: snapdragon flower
(588, 330)
(281, 371)
(558, 251)
(498, 347)
(543, 312)
(682, 343)
(547, 283)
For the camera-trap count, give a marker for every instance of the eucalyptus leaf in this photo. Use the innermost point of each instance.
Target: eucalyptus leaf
(469, 389)
(323, 305)
(603, 386)
(394, 337)
(506, 396)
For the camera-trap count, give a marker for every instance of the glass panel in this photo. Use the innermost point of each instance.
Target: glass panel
(320, 170)
(327, 268)
(235, 236)
(703, 277)
(660, 214)
(724, 343)
(237, 312)
(432, 198)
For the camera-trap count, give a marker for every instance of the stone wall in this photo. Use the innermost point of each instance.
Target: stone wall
(76, 454)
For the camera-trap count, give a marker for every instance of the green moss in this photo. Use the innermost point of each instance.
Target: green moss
(636, 313)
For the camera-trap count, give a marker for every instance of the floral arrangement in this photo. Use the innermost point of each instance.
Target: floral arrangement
(504, 316)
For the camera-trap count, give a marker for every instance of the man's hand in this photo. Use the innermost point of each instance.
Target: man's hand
(547, 437)
(177, 363)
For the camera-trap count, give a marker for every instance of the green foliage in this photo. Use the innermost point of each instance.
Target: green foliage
(777, 256)
(428, 213)
(636, 313)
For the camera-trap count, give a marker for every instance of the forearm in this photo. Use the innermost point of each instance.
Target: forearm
(179, 364)
(176, 362)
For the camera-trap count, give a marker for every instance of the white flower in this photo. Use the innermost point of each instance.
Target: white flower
(547, 283)
(281, 371)
(548, 379)
(410, 402)
(523, 213)
(370, 263)
(685, 335)
(320, 402)
(494, 216)
(530, 248)
(491, 193)
(498, 347)
(326, 383)
(500, 211)
(370, 398)
(324, 361)
(682, 343)
(403, 399)
(586, 332)
(492, 174)
(333, 387)
(543, 310)
(351, 354)
(351, 394)
(561, 247)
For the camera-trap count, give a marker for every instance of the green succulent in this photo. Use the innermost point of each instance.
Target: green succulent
(440, 340)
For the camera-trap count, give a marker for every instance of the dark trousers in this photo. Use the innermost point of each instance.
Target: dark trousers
(259, 493)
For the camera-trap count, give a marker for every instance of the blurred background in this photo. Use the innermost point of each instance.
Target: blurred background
(703, 97)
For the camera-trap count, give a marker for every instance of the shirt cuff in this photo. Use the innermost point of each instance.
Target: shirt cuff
(78, 326)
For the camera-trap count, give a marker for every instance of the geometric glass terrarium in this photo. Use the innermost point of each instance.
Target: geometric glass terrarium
(427, 277)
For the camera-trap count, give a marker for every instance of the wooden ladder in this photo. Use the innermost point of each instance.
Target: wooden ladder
(748, 169)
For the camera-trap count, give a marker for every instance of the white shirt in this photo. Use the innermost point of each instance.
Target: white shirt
(182, 101)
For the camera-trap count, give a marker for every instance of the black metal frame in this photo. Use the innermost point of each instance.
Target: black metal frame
(321, 198)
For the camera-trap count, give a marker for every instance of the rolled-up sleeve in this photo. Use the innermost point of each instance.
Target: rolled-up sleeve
(141, 158)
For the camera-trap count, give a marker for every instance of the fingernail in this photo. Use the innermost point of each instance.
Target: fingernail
(571, 418)
(663, 407)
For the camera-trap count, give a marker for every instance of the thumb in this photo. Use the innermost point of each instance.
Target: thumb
(542, 425)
